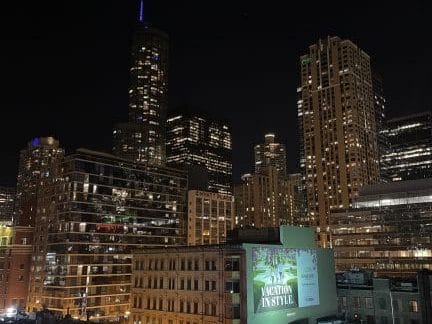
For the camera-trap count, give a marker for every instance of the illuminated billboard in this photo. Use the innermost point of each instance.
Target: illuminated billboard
(284, 278)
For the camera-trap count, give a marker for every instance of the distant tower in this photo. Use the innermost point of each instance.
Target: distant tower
(39, 165)
(195, 139)
(144, 141)
(270, 154)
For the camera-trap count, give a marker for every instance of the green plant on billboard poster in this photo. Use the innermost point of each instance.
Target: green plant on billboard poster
(274, 273)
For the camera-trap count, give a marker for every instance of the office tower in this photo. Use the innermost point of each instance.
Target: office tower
(39, 166)
(380, 118)
(90, 221)
(144, 140)
(270, 154)
(7, 202)
(194, 139)
(409, 153)
(210, 217)
(263, 200)
(388, 229)
(337, 121)
(15, 256)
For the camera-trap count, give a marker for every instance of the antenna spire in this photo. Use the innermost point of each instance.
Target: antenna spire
(141, 12)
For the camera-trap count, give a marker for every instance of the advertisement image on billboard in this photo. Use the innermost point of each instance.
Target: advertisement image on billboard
(284, 278)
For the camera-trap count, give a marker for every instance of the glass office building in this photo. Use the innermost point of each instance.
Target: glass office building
(388, 230)
(409, 152)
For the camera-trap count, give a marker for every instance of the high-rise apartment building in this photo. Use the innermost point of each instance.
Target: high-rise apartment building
(409, 151)
(337, 122)
(88, 223)
(270, 153)
(143, 138)
(388, 229)
(196, 139)
(39, 166)
(263, 200)
(210, 217)
(7, 203)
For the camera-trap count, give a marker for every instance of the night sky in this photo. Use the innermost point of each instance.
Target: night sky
(64, 65)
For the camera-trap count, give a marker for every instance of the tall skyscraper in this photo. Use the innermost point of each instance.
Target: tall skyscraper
(7, 203)
(337, 121)
(409, 151)
(270, 153)
(39, 165)
(144, 140)
(196, 139)
(89, 222)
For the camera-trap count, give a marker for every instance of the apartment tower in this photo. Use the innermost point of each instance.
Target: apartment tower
(338, 126)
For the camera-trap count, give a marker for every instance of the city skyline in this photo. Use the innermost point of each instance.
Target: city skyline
(95, 36)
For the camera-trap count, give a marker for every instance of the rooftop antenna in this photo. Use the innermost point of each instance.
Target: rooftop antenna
(141, 12)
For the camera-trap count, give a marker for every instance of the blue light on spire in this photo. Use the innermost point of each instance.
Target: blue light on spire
(141, 12)
(35, 142)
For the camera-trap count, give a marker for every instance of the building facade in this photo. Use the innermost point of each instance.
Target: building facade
(366, 299)
(39, 166)
(195, 284)
(388, 230)
(337, 124)
(409, 152)
(196, 139)
(263, 200)
(270, 153)
(210, 217)
(88, 223)
(216, 283)
(7, 205)
(143, 138)
(15, 256)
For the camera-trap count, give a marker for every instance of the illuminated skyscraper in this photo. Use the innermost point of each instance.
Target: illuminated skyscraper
(39, 165)
(88, 223)
(270, 154)
(409, 152)
(196, 139)
(7, 202)
(337, 122)
(263, 200)
(144, 140)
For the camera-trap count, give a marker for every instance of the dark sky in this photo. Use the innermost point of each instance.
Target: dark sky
(64, 64)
